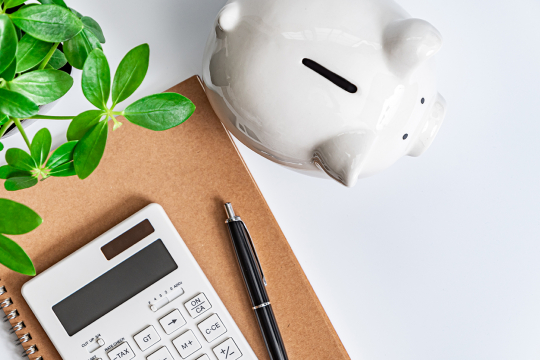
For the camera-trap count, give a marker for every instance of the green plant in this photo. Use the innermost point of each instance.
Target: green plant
(37, 42)
(16, 219)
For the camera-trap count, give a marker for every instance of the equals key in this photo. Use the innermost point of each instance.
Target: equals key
(197, 305)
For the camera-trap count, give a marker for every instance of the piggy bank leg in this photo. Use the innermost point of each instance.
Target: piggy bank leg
(343, 156)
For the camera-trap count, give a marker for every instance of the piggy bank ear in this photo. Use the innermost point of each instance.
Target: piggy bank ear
(410, 42)
(229, 17)
(343, 156)
(429, 127)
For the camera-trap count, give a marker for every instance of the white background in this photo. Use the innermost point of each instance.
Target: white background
(438, 257)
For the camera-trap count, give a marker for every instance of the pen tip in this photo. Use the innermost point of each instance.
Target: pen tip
(229, 210)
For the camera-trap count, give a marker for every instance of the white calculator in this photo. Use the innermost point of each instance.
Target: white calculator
(135, 292)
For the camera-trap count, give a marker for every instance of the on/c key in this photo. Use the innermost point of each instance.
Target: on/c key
(197, 305)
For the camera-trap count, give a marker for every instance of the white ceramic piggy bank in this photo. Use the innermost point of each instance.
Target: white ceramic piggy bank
(343, 86)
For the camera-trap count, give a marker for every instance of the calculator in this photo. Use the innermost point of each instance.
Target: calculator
(135, 292)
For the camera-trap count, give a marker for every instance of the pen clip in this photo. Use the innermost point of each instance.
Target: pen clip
(255, 253)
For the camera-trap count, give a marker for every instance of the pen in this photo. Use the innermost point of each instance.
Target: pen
(255, 283)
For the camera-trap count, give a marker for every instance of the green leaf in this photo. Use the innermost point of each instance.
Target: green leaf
(58, 59)
(4, 171)
(20, 183)
(10, 72)
(8, 42)
(96, 79)
(3, 119)
(79, 47)
(77, 14)
(16, 105)
(94, 27)
(16, 218)
(19, 173)
(41, 146)
(42, 86)
(1, 146)
(19, 33)
(130, 73)
(52, 23)
(160, 111)
(8, 4)
(57, 2)
(64, 170)
(7, 172)
(90, 149)
(13, 257)
(82, 123)
(62, 155)
(20, 159)
(31, 52)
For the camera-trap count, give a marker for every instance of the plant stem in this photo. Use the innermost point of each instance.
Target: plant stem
(21, 129)
(4, 127)
(117, 112)
(51, 117)
(48, 56)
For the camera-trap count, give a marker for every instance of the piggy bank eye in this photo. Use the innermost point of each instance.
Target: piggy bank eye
(422, 101)
(329, 75)
(405, 136)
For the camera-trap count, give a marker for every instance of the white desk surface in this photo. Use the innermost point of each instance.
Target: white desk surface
(437, 257)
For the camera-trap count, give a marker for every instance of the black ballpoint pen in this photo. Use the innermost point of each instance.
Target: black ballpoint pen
(255, 283)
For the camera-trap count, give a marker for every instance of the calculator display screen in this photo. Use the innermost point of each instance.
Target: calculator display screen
(114, 287)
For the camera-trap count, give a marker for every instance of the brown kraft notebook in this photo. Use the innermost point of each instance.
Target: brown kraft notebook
(191, 171)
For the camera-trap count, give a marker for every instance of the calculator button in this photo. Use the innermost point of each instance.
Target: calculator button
(172, 322)
(121, 352)
(204, 357)
(161, 354)
(147, 338)
(186, 344)
(197, 305)
(212, 328)
(227, 350)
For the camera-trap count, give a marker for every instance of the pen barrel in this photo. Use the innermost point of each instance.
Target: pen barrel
(270, 332)
(248, 265)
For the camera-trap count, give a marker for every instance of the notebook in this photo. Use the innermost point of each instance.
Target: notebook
(191, 171)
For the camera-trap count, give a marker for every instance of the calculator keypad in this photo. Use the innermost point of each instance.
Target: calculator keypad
(123, 352)
(198, 305)
(147, 338)
(172, 322)
(227, 350)
(212, 328)
(187, 344)
(161, 354)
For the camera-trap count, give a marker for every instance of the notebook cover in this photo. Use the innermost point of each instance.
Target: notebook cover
(191, 171)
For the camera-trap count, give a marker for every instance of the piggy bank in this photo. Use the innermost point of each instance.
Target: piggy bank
(343, 88)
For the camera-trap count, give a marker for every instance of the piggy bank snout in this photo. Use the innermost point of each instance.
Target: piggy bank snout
(430, 125)
(343, 156)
